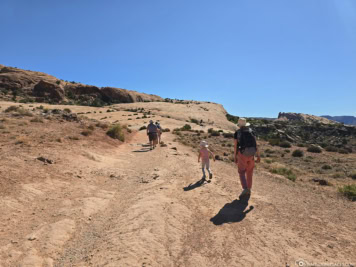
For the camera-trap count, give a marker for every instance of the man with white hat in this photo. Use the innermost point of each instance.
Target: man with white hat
(152, 134)
(245, 149)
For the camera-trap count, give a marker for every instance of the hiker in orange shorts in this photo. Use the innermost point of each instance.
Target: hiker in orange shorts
(244, 152)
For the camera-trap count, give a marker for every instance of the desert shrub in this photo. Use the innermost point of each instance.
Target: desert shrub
(58, 82)
(116, 132)
(288, 173)
(314, 149)
(142, 128)
(215, 133)
(166, 130)
(210, 130)
(186, 127)
(73, 137)
(102, 125)
(349, 191)
(287, 150)
(337, 175)
(274, 142)
(326, 167)
(228, 135)
(331, 149)
(353, 175)
(86, 132)
(269, 151)
(37, 119)
(300, 145)
(269, 161)
(67, 110)
(194, 121)
(298, 153)
(12, 108)
(285, 144)
(343, 151)
(91, 127)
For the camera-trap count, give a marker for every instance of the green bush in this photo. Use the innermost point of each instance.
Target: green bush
(331, 149)
(186, 127)
(215, 133)
(288, 173)
(194, 121)
(285, 144)
(87, 132)
(298, 153)
(116, 132)
(228, 135)
(274, 142)
(314, 149)
(343, 151)
(326, 167)
(349, 191)
(12, 108)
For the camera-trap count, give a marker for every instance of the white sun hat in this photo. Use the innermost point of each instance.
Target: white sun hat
(242, 122)
(204, 144)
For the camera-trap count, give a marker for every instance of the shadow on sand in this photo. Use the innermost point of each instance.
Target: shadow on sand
(232, 212)
(142, 150)
(196, 185)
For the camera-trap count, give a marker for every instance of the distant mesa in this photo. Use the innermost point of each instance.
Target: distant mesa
(305, 118)
(31, 86)
(351, 120)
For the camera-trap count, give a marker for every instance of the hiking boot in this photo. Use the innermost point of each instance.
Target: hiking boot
(210, 175)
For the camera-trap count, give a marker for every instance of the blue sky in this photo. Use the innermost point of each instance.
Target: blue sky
(255, 57)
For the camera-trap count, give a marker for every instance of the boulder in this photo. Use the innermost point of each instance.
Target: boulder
(48, 90)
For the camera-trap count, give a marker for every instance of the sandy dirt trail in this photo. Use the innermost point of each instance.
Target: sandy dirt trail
(133, 207)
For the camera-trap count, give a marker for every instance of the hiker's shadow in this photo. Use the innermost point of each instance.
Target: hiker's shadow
(196, 185)
(142, 150)
(232, 212)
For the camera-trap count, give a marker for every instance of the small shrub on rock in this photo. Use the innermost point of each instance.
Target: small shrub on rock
(285, 144)
(331, 149)
(298, 153)
(142, 128)
(314, 149)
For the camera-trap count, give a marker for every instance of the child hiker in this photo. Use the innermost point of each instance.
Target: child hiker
(204, 154)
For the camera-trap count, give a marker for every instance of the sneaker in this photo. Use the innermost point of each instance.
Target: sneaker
(210, 175)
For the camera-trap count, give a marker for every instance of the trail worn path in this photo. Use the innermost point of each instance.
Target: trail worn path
(132, 207)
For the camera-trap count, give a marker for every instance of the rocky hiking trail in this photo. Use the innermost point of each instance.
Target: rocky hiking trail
(127, 206)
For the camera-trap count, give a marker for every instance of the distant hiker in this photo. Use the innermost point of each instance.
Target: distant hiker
(152, 134)
(204, 154)
(244, 152)
(159, 131)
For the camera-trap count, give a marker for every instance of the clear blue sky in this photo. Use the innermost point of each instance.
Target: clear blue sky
(256, 57)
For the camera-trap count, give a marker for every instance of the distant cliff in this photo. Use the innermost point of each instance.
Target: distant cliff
(31, 86)
(351, 120)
